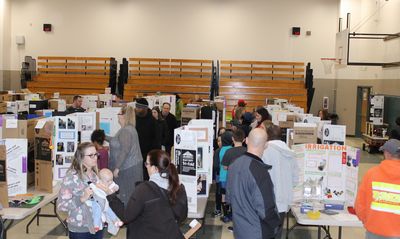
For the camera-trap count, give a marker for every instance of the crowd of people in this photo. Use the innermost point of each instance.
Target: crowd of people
(134, 182)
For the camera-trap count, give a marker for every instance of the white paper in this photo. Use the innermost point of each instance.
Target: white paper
(12, 123)
(40, 124)
(17, 166)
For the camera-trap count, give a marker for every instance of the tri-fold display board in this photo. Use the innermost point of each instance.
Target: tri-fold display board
(331, 170)
(193, 159)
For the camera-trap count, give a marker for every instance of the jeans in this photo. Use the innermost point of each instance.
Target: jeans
(86, 235)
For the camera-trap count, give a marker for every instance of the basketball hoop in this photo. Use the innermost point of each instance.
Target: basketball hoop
(328, 63)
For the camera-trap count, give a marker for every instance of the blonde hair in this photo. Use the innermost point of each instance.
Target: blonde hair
(77, 163)
(129, 114)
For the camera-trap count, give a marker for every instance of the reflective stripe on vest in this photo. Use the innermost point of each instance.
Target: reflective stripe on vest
(385, 197)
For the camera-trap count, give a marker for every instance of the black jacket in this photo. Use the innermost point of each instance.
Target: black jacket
(148, 214)
(146, 128)
(162, 132)
(172, 125)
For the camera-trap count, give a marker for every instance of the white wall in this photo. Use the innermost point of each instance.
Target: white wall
(212, 29)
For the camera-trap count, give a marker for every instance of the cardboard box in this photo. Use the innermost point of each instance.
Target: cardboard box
(119, 104)
(3, 177)
(38, 105)
(105, 100)
(17, 106)
(31, 96)
(14, 128)
(3, 107)
(304, 135)
(189, 113)
(43, 156)
(58, 104)
(286, 124)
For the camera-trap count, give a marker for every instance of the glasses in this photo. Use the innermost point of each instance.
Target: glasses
(92, 156)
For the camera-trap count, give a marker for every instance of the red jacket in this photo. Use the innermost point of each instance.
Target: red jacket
(378, 199)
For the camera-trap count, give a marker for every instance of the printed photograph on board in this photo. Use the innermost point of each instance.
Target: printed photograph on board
(70, 147)
(71, 124)
(62, 124)
(59, 159)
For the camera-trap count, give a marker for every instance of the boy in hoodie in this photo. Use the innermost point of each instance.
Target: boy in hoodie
(378, 199)
(284, 172)
(221, 173)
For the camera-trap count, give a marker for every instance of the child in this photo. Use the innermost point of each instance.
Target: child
(98, 137)
(101, 211)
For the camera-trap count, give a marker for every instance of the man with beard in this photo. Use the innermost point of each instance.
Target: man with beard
(146, 127)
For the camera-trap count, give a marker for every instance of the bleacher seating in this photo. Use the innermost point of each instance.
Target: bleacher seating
(254, 81)
(72, 75)
(183, 76)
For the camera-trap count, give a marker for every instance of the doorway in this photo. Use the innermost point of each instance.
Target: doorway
(363, 105)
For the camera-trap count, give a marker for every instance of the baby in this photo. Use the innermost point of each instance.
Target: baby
(101, 211)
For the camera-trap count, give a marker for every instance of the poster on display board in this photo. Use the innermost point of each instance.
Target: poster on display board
(87, 122)
(376, 110)
(159, 100)
(334, 134)
(185, 153)
(65, 143)
(204, 130)
(108, 120)
(17, 165)
(331, 170)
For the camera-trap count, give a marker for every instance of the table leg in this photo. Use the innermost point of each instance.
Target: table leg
(38, 215)
(319, 232)
(6, 227)
(290, 229)
(340, 233)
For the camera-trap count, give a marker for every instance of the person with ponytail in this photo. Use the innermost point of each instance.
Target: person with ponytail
(75, 191)
(158, 206)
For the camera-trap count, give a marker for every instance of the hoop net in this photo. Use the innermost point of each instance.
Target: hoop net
(328, 63)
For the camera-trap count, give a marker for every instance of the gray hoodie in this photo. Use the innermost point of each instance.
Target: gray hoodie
(284, 172)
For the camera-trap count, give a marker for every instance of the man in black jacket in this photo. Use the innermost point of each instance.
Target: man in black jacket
(146, 127)
(172, 125)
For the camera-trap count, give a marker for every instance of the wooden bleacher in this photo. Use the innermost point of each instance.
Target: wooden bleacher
(71, 75)
(254, 81)
(183, 76)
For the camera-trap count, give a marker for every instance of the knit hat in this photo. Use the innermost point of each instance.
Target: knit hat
(142, 103)
(226, 138)
(392, 146)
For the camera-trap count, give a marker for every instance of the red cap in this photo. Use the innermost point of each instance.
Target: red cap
(241, 102)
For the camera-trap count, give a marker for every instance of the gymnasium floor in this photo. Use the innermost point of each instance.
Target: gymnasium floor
(214, 228)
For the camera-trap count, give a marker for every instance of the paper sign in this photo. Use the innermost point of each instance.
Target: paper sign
(40, 124)
(12, 123)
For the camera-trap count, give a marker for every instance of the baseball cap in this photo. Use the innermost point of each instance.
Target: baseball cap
(241, 102)
(392, 146)
(142, 103)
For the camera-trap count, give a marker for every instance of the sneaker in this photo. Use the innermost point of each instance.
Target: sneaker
(230, 228)
(217, 213)
(226, 219)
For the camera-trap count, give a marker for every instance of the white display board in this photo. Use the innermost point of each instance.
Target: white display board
(205, 134)
(17, 165)
(159, 100)
(109, 120)
(65, 143)
(86, 124)
(334, 134)
(334, 167)
(185, 155)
